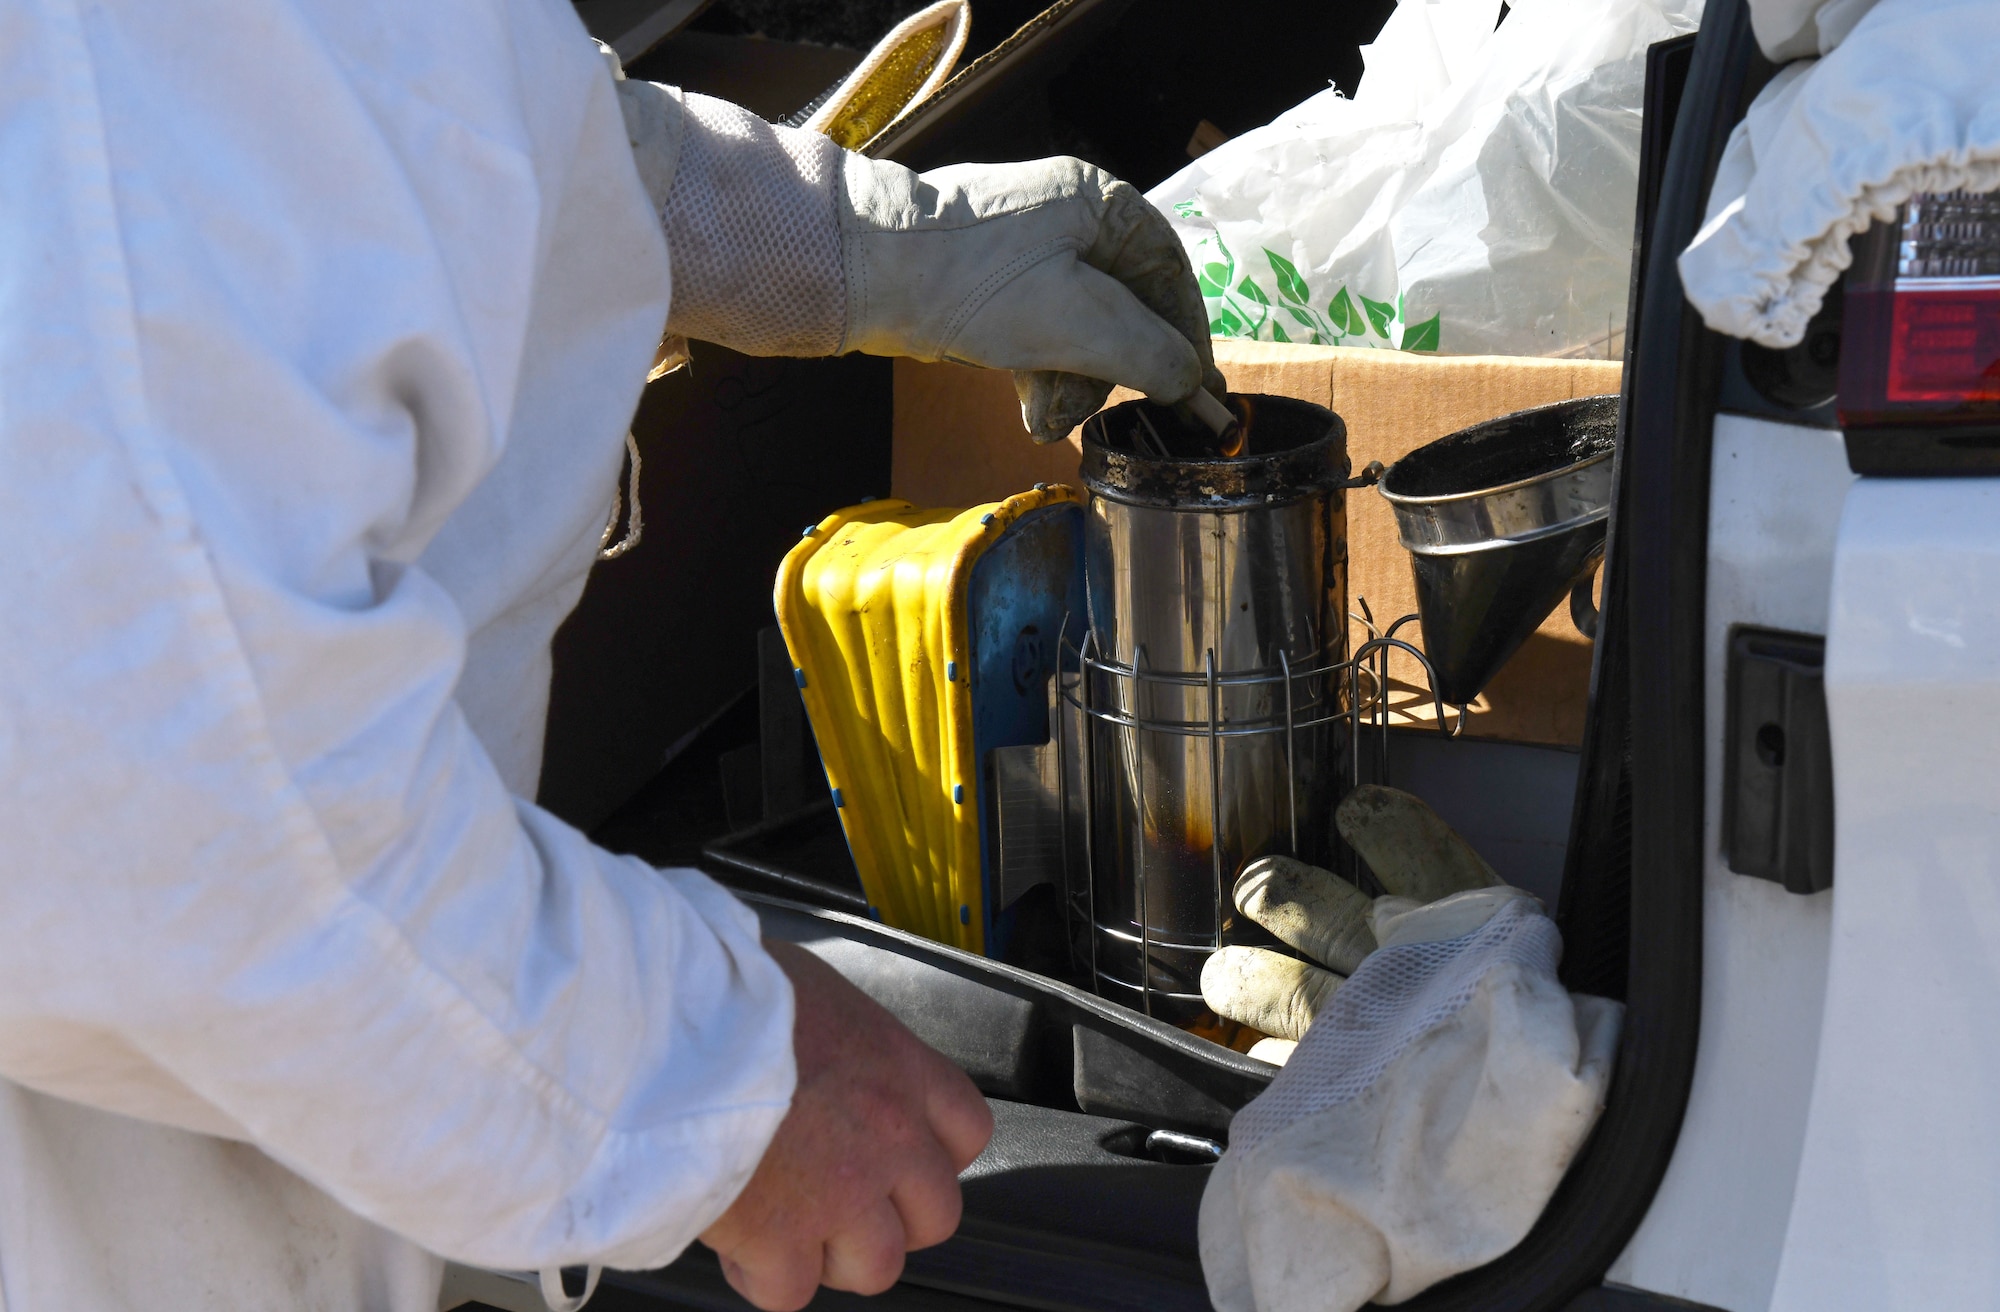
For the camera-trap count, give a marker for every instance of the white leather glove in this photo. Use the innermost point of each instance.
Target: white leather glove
(1438, 886)
(784, 244)
(1052, 268)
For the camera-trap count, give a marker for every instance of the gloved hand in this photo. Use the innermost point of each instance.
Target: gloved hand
(1438, 888)
(1052, 268)
(784, 244)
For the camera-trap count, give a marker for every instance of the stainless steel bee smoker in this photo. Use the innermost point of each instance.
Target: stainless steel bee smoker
(1202, 700)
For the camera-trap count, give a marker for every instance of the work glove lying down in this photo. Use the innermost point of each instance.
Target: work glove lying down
(1415, 855)
(784, 244)
(1436, 1095)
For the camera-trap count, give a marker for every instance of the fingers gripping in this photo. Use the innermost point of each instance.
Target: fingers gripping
(929, 1206)
(1054, 403)
(777, 1281)
(866, 1256)
(1063, 311)
(1137, 248)
(864, 1165)
(959, 1117)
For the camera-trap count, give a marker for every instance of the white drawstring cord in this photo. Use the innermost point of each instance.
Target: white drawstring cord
(558, 1300)
(635, 526)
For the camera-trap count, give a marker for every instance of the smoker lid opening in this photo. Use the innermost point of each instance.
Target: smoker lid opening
(1294, 449)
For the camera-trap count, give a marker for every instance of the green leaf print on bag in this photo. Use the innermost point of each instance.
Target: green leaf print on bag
(1251, 292)
(1380, 314)
(1422, 336)
(1240, 306)
(1346, 319)
(1290, 285)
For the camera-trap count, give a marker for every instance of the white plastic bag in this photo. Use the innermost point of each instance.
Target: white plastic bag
(1475, 197)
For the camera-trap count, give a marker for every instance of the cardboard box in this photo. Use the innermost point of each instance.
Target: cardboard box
(959, 441)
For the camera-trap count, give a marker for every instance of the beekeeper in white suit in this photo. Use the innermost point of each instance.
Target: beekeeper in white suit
(321, 322)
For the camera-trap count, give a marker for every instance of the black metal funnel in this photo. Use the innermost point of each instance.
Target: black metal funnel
(1502, 520)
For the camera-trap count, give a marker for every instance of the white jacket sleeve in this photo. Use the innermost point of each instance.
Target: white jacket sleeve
(278, 292)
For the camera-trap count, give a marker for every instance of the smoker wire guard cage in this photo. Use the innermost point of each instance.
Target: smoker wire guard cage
(1325, 705)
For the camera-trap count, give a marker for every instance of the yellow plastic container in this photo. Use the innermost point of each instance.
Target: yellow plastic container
(906, 688)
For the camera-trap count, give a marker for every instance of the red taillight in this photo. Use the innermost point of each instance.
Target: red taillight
(1944, 346)
(1920, 356)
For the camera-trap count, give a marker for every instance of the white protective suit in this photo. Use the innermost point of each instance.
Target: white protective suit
(321, 322)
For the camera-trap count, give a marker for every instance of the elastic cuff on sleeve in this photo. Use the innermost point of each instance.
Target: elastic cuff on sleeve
(656, 124)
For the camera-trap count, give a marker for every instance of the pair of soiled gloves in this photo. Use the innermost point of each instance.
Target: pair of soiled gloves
(782, 243)
(1437, 1079)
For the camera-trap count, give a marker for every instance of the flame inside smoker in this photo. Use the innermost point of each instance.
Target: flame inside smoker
(1235, 440)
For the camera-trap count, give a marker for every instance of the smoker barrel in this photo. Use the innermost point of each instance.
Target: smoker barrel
(1209, 680)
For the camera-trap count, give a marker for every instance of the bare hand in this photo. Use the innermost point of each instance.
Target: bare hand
(864, 1167)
